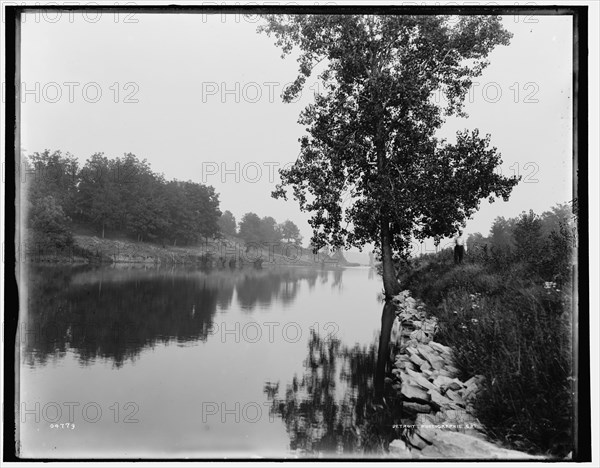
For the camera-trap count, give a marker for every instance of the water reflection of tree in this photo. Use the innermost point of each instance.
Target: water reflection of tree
(332, 409)
(261, 289)
(115, 319)
(337, 278)
(114, 313)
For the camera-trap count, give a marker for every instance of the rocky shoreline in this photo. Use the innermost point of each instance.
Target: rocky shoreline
(441, 405)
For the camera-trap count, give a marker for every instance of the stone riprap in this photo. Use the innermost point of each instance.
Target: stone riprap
(441, 405)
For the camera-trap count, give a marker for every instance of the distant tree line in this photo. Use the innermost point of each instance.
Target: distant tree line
(254, 229)
(541, 242)
(121, 195)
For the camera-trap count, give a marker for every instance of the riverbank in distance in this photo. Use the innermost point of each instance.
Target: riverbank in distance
(230, 252)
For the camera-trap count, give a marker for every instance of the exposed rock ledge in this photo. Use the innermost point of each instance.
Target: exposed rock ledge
(439, 403)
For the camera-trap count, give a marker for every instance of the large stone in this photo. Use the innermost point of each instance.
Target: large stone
(455, 385)
(425, 419)
(414, 358)
(410, 365)
(454, 415)
(470, 392)
(442, 380)
(448, 444)
(424, 351)
(440, 348)
(428, 354)
(455, 397)
(414, 393)
(437, 398)
(425, 366)
(420, 336)
(401, 359)
(421, 380)
(399, 448)
(475, 381)
(428, 433)
(445, 371)
(445, 383)
(416, 408)
(416, 441)
(437, 363)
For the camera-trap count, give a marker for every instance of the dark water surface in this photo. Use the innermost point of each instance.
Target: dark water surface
(133, 362)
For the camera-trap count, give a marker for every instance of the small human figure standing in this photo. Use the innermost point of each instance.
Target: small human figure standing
(459, 248)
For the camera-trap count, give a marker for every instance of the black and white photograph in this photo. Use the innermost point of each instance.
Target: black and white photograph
(300, 232)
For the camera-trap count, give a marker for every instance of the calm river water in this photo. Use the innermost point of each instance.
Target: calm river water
(121, 362)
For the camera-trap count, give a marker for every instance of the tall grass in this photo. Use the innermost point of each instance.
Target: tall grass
(506, 323)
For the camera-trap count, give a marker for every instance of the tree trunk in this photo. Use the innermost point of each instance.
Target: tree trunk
(383, 355)
(390, 283)
(102, 230)
(391, 288)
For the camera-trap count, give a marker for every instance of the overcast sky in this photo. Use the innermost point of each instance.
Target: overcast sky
(196, 94)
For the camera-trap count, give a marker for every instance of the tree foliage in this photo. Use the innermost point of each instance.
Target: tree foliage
(501, 233)
(254, 229)
(527, 234)
(50, 226)
(51, 187)
(227, 223)
(120, 195)
(250, 228)
(371, 168)
(541, 245)
(53, 174)
(289, 232)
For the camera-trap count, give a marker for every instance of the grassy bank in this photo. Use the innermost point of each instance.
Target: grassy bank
(504, 321)
(228, 251)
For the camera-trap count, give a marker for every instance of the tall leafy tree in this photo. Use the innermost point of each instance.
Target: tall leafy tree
(227, 223)
(251, 228)
(269, 231)
(371, 168)
(53, 174)
(179, 223)
(290, 232)
(51, 188)
(560, 214)
(97, 196)
(501, 234)
(528, 237)
(192, 210)
(372, 132)
(141, 208)
(203, 205)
